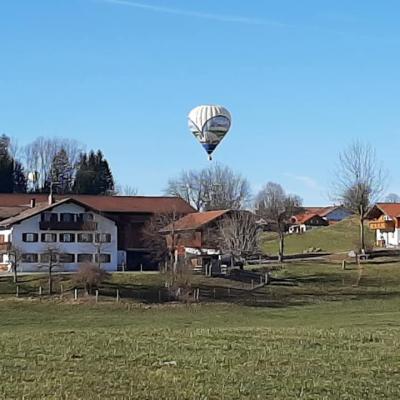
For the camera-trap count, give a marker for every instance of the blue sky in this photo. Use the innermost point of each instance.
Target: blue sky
(301, 79)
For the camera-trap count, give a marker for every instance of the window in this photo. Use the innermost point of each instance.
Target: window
(103, 237)
(49, 217)
(67, 258)
(85, 217)
(1, 258)
(45, 258)
(67, 217)
(30, 237)
(103, 258)
(67, 237)
(85, 258)
(85, 237)
(49, 237)
(29, 258)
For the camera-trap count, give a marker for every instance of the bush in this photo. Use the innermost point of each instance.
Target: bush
(90, 276)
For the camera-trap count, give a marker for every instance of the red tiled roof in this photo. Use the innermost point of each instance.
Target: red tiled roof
(114, 204)
(305, 217)
(321, 211)
(390, 209)
(195, 220)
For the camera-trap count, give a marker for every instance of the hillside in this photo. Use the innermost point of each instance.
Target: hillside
(342, 236)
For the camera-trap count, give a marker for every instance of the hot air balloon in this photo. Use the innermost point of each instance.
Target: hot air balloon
(209, 124)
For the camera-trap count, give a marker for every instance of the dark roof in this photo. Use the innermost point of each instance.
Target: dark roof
(305, 217)
(390, 209)
(7, 212)
(322, 211)
(39, 208)
(112, 204)
(194, 221)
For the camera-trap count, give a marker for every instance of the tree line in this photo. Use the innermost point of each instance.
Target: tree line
(53, 164)
(359, 181)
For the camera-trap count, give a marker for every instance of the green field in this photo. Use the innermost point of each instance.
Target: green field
(343, 236)
(321, 333)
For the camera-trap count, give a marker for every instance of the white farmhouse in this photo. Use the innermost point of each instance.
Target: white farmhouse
(385, 220)
(71, 230)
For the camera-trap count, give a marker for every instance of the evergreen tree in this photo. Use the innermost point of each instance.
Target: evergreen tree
(20, 183)
(12, 178)
(93, 175)
(104, 179)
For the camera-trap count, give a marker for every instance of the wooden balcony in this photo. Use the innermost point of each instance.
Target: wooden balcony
(384, 226)
(68, 226)
(6, 246)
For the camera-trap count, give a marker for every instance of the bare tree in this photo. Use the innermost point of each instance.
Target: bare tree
(239, 234)
(277, 207)
(160, 242)
(392, 198)
(40, 153)
(50, 260)
(359, 181)
(14, 257)
(213, 188)
(190, 186)
(126, 190)
(101, 244)
(14, 148)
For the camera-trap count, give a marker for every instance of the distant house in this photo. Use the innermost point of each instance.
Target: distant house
(195, 231)
(130, 214)
(385, 220)
(303, 222)
(195, 236)
(75, 233)
(332, 214)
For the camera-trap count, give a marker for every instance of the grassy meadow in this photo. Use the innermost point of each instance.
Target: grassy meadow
(319, 332)
(343, 236)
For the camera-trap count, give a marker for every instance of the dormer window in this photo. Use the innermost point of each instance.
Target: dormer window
(86, 217)
(67, 217)
(49, 217)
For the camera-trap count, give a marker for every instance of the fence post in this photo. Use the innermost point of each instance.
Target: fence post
(61, 288)
(261, 279)
(252, 284)
(40, 291)
(17, 291)
(344, 264)
(97, 295)
(141, 267)
(117, 295)
(266, 278)
(159, 295)
(229, 292)
(214, 292)
(76, 294)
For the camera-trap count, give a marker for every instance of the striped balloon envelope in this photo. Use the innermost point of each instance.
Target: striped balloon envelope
(209, 124)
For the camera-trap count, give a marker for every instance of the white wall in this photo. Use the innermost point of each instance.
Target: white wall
(391, 238)
(31, 225)
(4, 257)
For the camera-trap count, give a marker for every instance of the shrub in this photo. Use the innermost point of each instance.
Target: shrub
(90, 276)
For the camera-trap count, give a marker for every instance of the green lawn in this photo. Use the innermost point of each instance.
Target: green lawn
(334, 334)
(343, 236)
